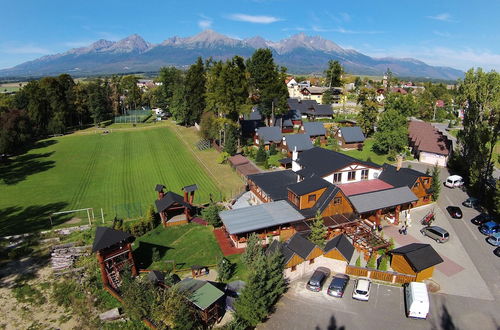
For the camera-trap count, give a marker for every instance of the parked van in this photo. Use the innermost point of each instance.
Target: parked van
(438, 234)
(494, 239)
(454, 181)
(416, 300)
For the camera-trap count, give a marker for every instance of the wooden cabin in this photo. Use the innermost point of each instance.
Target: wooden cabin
(350, 137)
(205, 297)
(114, 253)
(415, 259)
(339, 248)
(174, 209)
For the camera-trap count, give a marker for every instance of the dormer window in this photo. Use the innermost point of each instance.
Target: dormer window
(311, 198)
(351, 176)
(364, 174)
(337, 177)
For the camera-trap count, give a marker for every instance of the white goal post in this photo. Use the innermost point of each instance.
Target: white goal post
(90, 212)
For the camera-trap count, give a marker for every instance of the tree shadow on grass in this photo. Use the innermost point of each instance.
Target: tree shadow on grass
(16, 170)
(144, 253)
(17, 220)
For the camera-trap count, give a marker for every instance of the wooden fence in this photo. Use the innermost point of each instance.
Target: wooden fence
(380, 275)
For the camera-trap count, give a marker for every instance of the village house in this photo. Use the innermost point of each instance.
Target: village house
(315, 130)
(428, 144)
(251, 122)
(350, 137)
(310, 109)
(291, 143)
(267, 135)
(302, 257)
(205, 297)
(345, 191)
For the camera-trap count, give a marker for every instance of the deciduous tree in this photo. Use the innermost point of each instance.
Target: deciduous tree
(392, 133)
(334, 74)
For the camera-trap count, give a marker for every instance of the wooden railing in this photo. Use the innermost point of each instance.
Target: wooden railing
(380, 275)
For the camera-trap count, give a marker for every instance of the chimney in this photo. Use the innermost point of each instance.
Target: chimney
(191, 197)
(295, 154)
(399, 162)
(161, 194)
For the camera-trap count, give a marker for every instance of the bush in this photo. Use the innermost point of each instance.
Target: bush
(358, 261)
(384, 264)
(372, 262)
(272, 149)
(211, 214)
(223, 157)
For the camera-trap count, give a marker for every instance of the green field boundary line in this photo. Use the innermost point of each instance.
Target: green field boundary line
(198, 158)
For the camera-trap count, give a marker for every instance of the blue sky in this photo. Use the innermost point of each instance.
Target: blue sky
(461, 34)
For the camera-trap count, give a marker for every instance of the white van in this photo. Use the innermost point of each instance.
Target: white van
(454, 181)
(416, 300)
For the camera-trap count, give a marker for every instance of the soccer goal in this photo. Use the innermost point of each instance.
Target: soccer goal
(89, 210)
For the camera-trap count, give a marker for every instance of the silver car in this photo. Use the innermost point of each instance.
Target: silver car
(438, 234)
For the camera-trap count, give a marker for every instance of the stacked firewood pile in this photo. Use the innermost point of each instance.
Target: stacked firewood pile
(63, 256)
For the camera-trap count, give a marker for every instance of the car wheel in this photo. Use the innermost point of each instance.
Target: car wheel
(437, 240)
(422, 232)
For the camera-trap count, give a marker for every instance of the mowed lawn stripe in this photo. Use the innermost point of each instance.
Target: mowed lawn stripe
(97, 171)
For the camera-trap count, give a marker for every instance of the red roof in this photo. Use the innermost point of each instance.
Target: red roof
(425, 137)
(237, 160)
(363, 187)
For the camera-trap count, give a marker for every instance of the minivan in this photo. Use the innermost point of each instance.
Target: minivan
(454, 181)
(438, 234)
(317, 279)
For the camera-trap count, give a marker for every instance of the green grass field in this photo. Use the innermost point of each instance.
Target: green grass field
(116, 172)
(185, 245)
(367, 153)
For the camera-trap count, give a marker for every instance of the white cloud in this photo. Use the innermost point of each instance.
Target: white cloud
(444, 17)
(205, 22)
(24, 49)
(297, 28)
(316, 28)
(254, 18)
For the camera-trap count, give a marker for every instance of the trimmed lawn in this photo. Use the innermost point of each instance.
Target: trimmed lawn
(116, 172)
(184, 245)
(367, 153)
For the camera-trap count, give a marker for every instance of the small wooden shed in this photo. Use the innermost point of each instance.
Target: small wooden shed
(415, 259)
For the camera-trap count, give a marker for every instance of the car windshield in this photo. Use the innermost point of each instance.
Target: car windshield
(337, 283)
(446, 234)
(360, 292)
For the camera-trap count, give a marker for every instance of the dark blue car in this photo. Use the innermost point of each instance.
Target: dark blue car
(489, 228)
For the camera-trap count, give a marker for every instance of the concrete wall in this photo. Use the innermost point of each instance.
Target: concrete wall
(432, 159)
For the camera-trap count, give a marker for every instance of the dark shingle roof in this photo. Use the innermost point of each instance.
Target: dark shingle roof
(287, 253)
(301, 141)
(274, 184)
(342, 244)
(156, 276)
(309, 185)
(300, 245)
(403, 177)
(253, 115)
(190, 188)
(314, 128)
(320, 162)
(106, 237)
(377, 200)
(303, 106)
(269, 134)
(419, 256)
(159, 187)
(321, 110)
(352, 134)
(168, 200)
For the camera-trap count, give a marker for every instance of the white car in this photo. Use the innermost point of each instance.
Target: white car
(454, 181)
(362, 289)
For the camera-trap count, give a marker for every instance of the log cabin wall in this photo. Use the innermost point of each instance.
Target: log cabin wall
(338, 205)
(316, 252)
(335, 254)
(425, 274)
(308, 200)
(419, 189)
(296, 260)
(400, 265)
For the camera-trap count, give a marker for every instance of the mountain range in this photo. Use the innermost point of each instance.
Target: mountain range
(300, 53)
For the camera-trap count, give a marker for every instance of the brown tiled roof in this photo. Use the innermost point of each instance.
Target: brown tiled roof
(425, 137)
(238, 160)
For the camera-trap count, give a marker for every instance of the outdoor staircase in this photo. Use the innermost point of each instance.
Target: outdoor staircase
(114, 279)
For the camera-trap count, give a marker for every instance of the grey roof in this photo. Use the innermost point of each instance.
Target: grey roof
(159, 187)
(269, 134)
(321, 110)
(381, 199)
(274, 184)
(156, 276)
(257, 217)
(419, 256)
(285, 251)
(404, 177)
(314, 128)
(301, 141)
(342, 244)
(316, 89)
(303, 106)
(253, 115)
(352, 134)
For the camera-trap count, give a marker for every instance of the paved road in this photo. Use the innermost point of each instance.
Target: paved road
(301, 309)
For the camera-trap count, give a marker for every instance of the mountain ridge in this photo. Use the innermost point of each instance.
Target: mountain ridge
(300, 53)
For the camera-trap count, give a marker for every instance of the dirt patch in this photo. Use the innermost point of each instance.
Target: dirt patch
(73, 221)
(17, 315)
